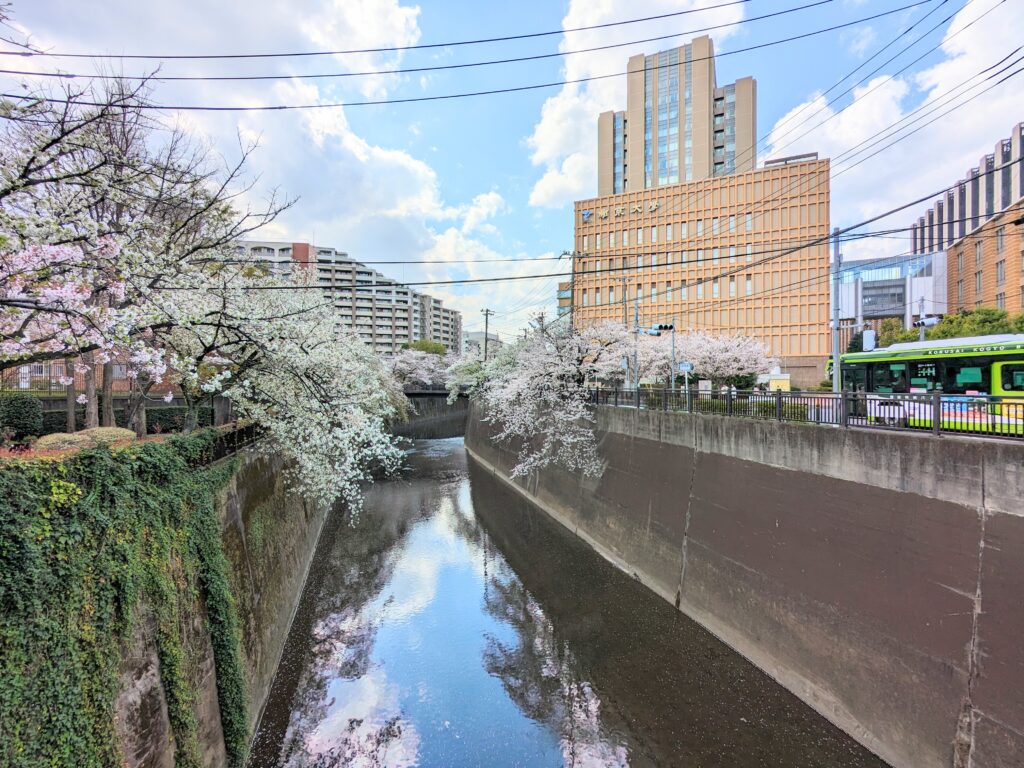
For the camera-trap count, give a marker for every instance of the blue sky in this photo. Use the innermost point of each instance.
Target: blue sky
(494, 177)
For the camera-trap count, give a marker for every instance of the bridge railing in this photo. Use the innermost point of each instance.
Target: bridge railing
(977, 415)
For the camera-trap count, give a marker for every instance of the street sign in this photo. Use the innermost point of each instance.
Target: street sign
(685, 367)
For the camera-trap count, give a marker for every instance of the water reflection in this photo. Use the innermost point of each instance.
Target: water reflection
(450, 625)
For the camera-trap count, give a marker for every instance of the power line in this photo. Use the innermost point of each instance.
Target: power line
(416, 70)
(449, 96)
(390, 49)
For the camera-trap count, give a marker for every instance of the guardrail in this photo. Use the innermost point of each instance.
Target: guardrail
(976, 415)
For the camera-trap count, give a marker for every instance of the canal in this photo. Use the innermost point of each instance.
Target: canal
(451, 624)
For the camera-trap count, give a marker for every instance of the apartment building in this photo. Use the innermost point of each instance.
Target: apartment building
(679, 125)
(987, 192)
(978, 223)
(383, 312)
(741, 253)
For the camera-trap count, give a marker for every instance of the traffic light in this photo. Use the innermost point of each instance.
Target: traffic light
(926, 322)
(657, 328)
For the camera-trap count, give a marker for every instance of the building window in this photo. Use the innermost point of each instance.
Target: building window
(960, 292)
(639, 292)
(682, 291)
(700, 290)
(714, 226)
(1001, 272)
(611, 239)
(750, 253)
(1001, 301)
(585, 243)
(597, 266)
(597, 246)
(750, 285)
(700, 227)
(750, 222)
(977, 283)
(625, 238)
(584, 297)
(732, 286)
(732, 254)
(732, 223)
(977, 253)
(654, 291)
(682, 230)
(959, 262)
(700, 254)
(597, 297)
(1000, 239)
(654, 234)
(714, 289)
(639, 262)
(668, 291)
(714, 254)
(611, 294)
(639, 237)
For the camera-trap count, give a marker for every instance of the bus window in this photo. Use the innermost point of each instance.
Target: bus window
(855, 377)
(962, 376)
(923, 376)
(889, 377)
(1013, 378)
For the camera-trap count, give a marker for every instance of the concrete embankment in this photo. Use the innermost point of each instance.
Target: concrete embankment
(876, 575)
(268, 535)
(432, 416)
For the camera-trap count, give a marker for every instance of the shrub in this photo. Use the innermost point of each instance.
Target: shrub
(64, 441)
(22, 414)
(170, 418)
(87, 438)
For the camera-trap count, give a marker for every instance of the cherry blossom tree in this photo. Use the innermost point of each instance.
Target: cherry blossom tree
(412, 366)
(722, 357)
(535, 392)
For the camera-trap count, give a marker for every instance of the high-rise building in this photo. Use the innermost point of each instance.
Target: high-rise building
(564, 296)
(679, 125)
(383, 312)
(976, 224)
(744, 253)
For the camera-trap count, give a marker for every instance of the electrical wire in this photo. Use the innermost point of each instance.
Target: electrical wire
(389, 49)
(418, 70)
(442, 97)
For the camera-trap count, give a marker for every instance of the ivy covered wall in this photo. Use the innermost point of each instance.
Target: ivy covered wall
(91, 545)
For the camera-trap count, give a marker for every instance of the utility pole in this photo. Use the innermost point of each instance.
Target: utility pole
(920, 316)
(625, 317)
(636, 341)
(837, 262)
(487, 318)
(673, 355)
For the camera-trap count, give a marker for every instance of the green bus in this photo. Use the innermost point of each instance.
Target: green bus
(979, 379)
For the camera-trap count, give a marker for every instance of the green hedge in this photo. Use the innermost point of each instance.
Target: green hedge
(170, 418)
(87, 543)
(21, 413)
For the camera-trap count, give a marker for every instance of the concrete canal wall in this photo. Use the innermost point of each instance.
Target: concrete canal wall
(878, 576)
(269, 536)
(432, 416)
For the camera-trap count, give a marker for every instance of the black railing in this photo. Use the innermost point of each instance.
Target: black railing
(230, 441)
(978, 415)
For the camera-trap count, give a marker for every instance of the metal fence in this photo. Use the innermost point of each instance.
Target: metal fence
(229, 442)
(46, 379)
(975, 415)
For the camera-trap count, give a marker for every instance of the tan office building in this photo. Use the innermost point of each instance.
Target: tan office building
(986, 268)
(678, 125)
(711, 255)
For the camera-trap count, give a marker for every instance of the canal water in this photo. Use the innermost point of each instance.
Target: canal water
(451, 624)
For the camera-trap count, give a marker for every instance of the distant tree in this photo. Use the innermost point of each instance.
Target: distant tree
(856, 342)
(433, 347)
(892, 332)
(983, 321)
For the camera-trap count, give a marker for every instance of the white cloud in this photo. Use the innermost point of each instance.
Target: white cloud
(861, 40)
(934, 157)
(564, 140)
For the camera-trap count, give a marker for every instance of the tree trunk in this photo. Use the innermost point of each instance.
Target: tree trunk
(135, 409)
(107, 414)
(92, 414)
(191, 415)
(70, 395)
